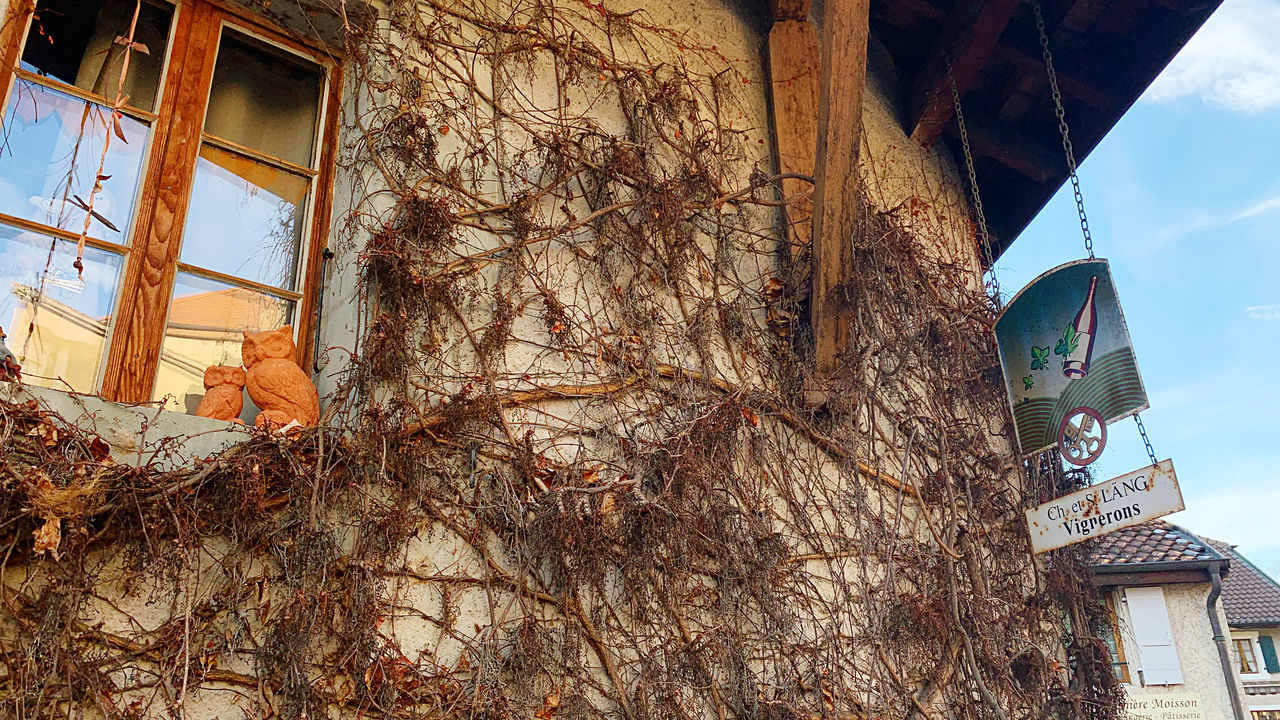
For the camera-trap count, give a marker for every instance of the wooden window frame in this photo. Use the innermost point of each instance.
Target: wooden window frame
(1251, 643)
(1120, 663)
(151, 256)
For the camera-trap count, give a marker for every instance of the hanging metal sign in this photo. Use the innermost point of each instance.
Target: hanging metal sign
(1068, 363)
(1141, 495)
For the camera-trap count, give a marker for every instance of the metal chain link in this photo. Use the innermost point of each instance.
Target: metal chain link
(1062, 127)
(984, 239)
(1142, 430)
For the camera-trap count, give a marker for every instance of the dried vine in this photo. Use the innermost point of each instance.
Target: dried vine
(570, 471)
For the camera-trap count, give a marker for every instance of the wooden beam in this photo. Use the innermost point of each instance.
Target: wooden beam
(1020, 55)
(835, 206)
(794, 69)
(1141, 578)
(964, 44)
(11, 35)
(1013, 148)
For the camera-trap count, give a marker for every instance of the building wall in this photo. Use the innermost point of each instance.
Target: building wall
(1197, 651)
(918, 187)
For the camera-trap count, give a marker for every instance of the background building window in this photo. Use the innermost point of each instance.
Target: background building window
(1244, 651)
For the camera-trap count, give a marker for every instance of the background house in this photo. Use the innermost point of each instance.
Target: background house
(1251, 599)
(1163, 584)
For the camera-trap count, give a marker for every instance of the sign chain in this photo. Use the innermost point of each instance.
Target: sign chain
(984, 240)
(1142, 430)
(1071, 169)
(1062, 127)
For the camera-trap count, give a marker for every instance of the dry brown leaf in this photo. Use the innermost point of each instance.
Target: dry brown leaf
(47, 537)
(773, 288)
(550, 705)
(46, 431)
(100, 451)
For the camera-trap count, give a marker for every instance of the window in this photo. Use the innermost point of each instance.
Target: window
(1244, 651)
(1266, 715)
(213, 135)
(1119, 664)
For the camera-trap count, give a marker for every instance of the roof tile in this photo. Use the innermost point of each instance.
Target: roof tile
(1249, 596)
(1154, 541)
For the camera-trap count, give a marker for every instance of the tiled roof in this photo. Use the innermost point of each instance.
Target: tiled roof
(1249, 596)
(1154, 541)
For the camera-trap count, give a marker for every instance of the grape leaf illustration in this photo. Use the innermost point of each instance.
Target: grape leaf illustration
(1068, 342)
(1028, 382)
(1039, 357)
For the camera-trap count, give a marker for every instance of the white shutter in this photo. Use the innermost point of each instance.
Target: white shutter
(1149, 622)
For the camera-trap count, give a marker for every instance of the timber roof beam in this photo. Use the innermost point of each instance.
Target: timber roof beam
(964, 45)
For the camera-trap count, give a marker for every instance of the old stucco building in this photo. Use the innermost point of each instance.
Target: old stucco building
(650, 338)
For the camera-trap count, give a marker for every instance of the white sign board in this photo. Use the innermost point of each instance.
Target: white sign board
(1141, 495)
(1164, 706)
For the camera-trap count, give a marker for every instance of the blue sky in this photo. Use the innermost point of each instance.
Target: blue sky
(1183, 198)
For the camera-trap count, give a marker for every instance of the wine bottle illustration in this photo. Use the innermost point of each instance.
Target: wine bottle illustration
(1075, 363)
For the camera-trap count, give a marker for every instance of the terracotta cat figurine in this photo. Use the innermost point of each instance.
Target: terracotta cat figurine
(224, 393)
(276, 384)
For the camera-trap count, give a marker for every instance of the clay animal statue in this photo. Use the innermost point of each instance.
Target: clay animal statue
(224, 393)
(276, 384)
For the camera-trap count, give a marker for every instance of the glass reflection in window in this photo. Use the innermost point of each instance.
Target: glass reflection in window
(49, 162)
(265, 99)
(56, 322)
(245, 218)
(74, 41)
(207, 320)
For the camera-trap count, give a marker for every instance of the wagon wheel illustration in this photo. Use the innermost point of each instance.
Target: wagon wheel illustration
(1082, 436)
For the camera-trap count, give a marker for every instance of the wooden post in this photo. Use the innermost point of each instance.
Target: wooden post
(835, 205)
(793, 73)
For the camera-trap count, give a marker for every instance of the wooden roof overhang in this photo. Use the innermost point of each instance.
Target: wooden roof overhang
(1106, 53)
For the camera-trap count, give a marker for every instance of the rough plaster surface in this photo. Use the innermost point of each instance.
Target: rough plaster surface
(920, 186)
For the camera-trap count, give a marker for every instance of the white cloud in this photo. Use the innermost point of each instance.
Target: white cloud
(1232, 62)
(1258, 208)
(1264, 312)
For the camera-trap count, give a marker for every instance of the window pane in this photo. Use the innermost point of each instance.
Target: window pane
(74, 41)
(1248, 661)
(50, 160)
(245, 218)
(206, 319)
(38, 286)
(264, 99)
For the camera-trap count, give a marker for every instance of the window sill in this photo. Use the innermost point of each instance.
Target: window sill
(136, 434)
